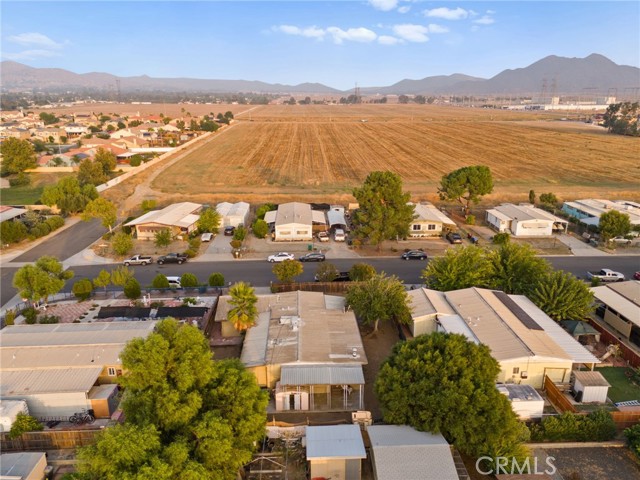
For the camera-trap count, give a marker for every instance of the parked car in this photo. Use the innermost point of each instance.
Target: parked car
(636, 276)
(229, 231)
(340, 277)
(280, 257)
(323, 236)
(172, 258)
(174, 282)
(621, 240)
(339, 235)
(312, 257)
(138, 260)
(606, 275)
(206, 237)
(414, 255)
(454, 237)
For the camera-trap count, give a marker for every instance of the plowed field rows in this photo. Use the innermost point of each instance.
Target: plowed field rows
(285, 151)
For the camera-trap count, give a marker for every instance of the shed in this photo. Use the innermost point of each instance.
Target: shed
(23, 466)
(9, 410)
(233, 214)
(335, 451)
(104, 399)
(590, 386)
(526, 402)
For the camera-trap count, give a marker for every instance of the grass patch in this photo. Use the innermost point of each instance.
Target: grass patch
(622, 389)
(27, 195)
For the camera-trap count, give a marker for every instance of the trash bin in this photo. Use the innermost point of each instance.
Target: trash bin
(310, 247)
(236, 254)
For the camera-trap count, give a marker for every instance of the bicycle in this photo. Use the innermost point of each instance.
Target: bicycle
(80, 418)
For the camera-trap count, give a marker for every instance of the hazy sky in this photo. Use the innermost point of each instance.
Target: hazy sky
(337, 43)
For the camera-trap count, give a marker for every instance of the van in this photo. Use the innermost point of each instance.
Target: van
(174, 282)
(339, 235)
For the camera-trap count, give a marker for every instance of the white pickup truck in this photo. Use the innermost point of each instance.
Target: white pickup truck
(138, 260)
(606, 275)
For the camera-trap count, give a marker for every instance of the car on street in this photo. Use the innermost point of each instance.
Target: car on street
(620, 240)
(312, 257)
(206, 237)
(454, 237)
(178, 258)
(414, 255)
(340, 277)
(229, 231)
(280, 257)
(138, 260)
(636, 276)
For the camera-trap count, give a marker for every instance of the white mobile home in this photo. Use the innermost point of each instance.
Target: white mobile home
(295, 221)
(524, 221)
(233, 214)
(429, 221)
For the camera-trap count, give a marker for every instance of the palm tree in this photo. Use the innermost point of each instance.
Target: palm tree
(244, 312)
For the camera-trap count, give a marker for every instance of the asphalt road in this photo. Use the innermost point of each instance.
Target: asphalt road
(66, 243)
(258, 272)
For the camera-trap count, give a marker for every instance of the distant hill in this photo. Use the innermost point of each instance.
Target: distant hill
(593, 74)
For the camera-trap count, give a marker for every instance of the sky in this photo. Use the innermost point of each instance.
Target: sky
(336, 43)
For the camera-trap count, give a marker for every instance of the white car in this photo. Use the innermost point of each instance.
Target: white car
(281, 257)
(206, 237)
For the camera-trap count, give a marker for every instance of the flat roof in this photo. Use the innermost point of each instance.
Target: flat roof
(294, 212)
(7, 213)
(427, 212)
(179, 214)
(519, 393)
(590, 378)
(51, 380)
(403, 453)
(14, 358)
(19, 465)
(596, 207)
(524, 212)
(335, 442)
(321, 375)
(623, 297)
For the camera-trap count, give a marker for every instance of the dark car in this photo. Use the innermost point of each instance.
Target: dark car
(312, 257)
(172, 258)
(414, 255)
(230, 230)
(454, 237)
(636, 276)
(340, 277)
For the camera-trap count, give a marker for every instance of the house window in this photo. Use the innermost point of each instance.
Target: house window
(285, 232)
(431, 226)
(111, 371)
(302, 232)
(516, 370)
(417, 226)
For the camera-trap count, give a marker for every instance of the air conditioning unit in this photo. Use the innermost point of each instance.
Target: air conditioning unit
(524, 375)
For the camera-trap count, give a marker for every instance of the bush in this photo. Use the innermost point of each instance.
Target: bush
(194, 243)
(21, 180)
(501, 238)
(190, 253)
(24, 423)
(30, 315)
(633, 437)
(163, 237)
(260, 228)
(12, 232)
(148, 205)
(189, 280)
(132, 289)
(82, 289)
(216, 280)
(240, 233)
(263, 209)
(160, 281)
(188, 301)
(48, 319)
(598, 426)
(54, 222)
(39, 230)
(122, 243)
(470, 220)
(235, 244)
(10, 317)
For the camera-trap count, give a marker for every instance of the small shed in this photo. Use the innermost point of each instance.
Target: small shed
(23, 466)
(526, 402)
(335, 451)
(589, 386)
(336, 218)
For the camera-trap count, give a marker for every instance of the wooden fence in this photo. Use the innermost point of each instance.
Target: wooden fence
(557, 398)
(48, 440)
(609, 338)
(625, 419)
(326, 287)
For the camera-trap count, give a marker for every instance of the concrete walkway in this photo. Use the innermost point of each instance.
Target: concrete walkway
(579, 247)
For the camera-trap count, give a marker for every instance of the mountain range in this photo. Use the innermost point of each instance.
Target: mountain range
(553, 74)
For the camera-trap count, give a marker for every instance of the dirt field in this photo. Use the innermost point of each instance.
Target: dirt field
(321, 152)
(596, 463)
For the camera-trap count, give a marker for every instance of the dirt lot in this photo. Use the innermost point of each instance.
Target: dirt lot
(595, 463)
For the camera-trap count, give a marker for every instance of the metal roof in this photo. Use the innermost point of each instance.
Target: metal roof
(321, 375)
(509, 211)
(590, 379)
(596, 207)
(20, 465)
(53, 380)
(519, 393)
(336, 218)
(427, 212)
(7, 213)
(403, 453)
(455, 324)
(294, 212)
(335, 442)
(254, 347)
(227, 209)
(623, 297)
(15, 358)
(179, 214)
(559, 335)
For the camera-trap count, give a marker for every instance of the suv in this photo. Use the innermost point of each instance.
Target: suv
(229, 231)
(339, 235)
(454, 237)
(172, 258)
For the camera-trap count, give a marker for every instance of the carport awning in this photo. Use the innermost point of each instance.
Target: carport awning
(321, 375)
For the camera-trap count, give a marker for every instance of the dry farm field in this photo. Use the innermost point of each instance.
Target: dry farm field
(320, 152)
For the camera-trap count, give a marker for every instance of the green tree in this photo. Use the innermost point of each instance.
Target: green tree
(68, 195)
(189, 280)
(613, 224)
(48, 118)
(148, 205)
(121, 275)
(443, 383)
(260, 228)
(160, 281)
(286, 271)
(36, 282)
(548, 199)
(562, 296)
(360, 272)
(24, 423)
(91, 173)
(240, 233)
(102, 280)
(459, 268)
(379, 298)
(17, 156)
(132, 289)
(244, 312)
(532, 197)
(106, 159)
(12, 232)
(263, 209)
(82, 289)
(186, 415)
(163, 237)
(383, 213)
(209, 221)
(122, 243)
(516, 269)
(622, 118)
(326, 272)
(216, 279)
(466, 185)
(103, 209)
